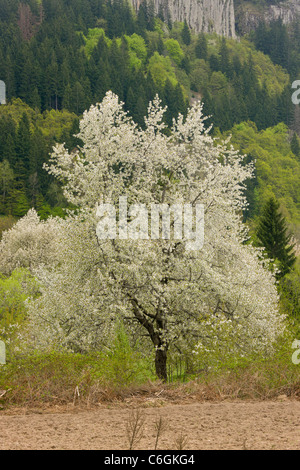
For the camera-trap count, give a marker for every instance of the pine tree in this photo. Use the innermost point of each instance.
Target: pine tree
(114, 24)
(186, 34)
(7, 140)
(7, 178)
(21, 204)
(151, 16)
(279, 40)
(67, 98)
(35, 100)
(264, 115)
(168, 18)
(23, 146)
(10, 150)
(103, 83)
(78, 98)
(160, 13)
(140, 111)
(169, 101)
(130, 100)
(224, 58)
(52, 73)
(214, 63)
(236, 65)
(285, 107)
(295, 145)
(201, 47)
(142, 18)
(208, 106)
(181, 105)
(186, 64)
(261, 38)
(272, 234)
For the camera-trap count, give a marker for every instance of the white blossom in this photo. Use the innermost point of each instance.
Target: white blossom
(204, 297)
(30, 243)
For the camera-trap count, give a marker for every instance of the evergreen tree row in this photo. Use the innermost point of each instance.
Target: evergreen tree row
(281, 43)
(233, 93)
(24, 148)
(45, 61)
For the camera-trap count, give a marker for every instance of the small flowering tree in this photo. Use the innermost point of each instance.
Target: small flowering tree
(30, 243)
(176, 296)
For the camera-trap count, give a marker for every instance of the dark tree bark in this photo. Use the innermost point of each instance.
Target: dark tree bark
(146, 320)
(161, 364)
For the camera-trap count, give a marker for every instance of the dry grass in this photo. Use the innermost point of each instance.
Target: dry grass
(181, 441)
(135, 428)
(152, 394)
(61, 381)
(161, 426)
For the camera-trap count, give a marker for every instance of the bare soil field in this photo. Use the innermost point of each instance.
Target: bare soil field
(193, 425)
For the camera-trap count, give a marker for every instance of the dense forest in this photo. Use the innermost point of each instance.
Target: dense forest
(59, 57)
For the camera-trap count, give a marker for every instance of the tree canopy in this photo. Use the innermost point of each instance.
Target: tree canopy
(179, 298)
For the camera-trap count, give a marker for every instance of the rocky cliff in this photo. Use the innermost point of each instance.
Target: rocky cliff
(249, 15)
(222, 16)
(201, 15)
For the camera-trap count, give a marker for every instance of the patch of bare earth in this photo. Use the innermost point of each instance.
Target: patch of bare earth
(236, 425)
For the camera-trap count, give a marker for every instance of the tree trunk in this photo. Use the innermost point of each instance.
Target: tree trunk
(161, 364)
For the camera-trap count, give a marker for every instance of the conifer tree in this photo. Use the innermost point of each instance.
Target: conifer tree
(151, 16)
(21, 204)
(295, 145)
(160, 13)
(67, 100)
(169, 101)
(142, 18)
(186, 34)
(273, 235)
(6, 183)
(201, 47)
(224, 58)
(10, 150)
(23, 143)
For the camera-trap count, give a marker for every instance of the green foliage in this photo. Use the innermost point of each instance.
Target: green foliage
(253, 61)
(92, 40)
(174, 50)
(289, 290)
(21, 204)
(75, 49)
(295, 145)
(257, 376)
(137, 50)
(238, 83)
(280, 42)
(277, 169)
(161, 70)
(42, 377)
(272, 234)
(201, 48)
(123, 364)
(28, 140)
(7, 181)
(61, 377)
(14, 291)
(55, 125)
(186, 34)
(6, 223)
